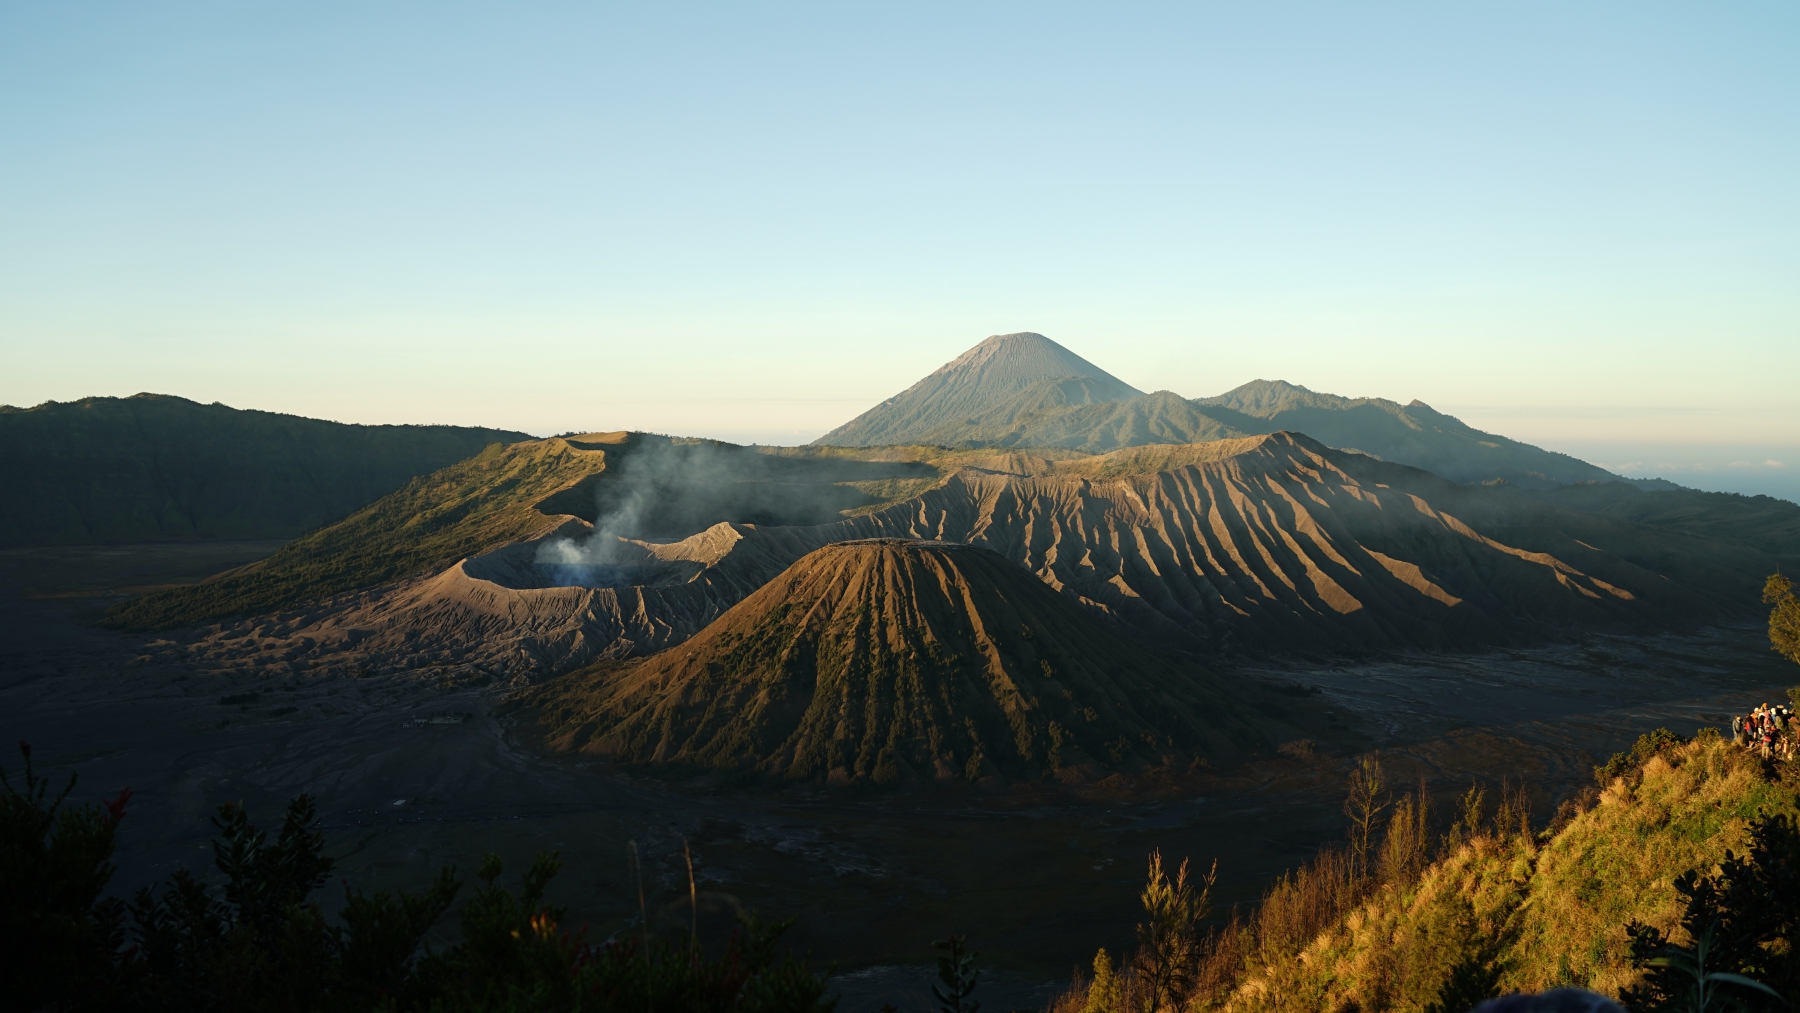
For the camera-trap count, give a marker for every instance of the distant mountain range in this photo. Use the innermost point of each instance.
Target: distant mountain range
(1025, 390)
(156, 468)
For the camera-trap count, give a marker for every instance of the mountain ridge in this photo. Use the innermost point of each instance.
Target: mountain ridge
(156, 467)
(1077, 412)
(1265, 543)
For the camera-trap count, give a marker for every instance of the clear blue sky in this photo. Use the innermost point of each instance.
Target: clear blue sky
(1573, 224)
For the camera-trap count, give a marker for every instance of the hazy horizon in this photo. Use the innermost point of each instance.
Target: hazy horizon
(1575, 228)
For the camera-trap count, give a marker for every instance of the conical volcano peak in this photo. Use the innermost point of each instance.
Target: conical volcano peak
(887, 660)
(1025, 356)
(974, 382)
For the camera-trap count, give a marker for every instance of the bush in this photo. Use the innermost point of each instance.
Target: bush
(260, 943)
(1648, 745)
(1740, 922)
(56, 932)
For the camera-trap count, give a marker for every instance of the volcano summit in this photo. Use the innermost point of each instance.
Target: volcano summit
(993, 373)
(890, 660)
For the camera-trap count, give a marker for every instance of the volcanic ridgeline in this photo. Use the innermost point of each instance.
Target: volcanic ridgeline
(888, 660)
(1025, 390)
(1269, 543)
(636, 483)
(156, 468)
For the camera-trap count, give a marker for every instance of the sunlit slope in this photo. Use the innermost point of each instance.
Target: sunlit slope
(1256, 544)
(1279, 541)
(155, 468)
(975, 382)
(878, 661)
(430, 523)
(1548, 912)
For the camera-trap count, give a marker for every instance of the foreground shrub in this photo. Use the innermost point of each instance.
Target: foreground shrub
(56, 933)
(260, 943)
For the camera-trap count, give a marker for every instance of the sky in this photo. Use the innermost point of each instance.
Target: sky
(1576, 225)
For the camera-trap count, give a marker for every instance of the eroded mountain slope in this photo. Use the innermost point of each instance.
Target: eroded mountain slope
(890, 660)
(1278, 541)
(1272, 542)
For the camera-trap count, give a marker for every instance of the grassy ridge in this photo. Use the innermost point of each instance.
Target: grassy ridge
(428, 524)
(1565, 902)
(1520, 911)
(154, 468)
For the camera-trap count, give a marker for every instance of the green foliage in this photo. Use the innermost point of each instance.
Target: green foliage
(1473, 980)
(1784, 620)
(265, 945)
(1648, 744)
(155, 468)
(957, 972)
(259, 942)
(428, 524)
(1498, 908)
(56, 933)
(1741, 924)
(1106, 993)
(1690, 987)
(379, 941)
(1168, 938)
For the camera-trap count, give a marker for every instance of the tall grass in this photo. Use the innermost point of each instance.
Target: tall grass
(1488, 899)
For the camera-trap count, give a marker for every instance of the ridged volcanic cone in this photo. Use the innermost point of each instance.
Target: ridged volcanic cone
(873, 660)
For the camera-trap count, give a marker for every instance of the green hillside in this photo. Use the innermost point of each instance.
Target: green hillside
(156, 468)
(1496, 907)
(430, 523)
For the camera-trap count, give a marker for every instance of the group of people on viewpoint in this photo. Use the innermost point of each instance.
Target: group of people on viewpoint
(1772, 730)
